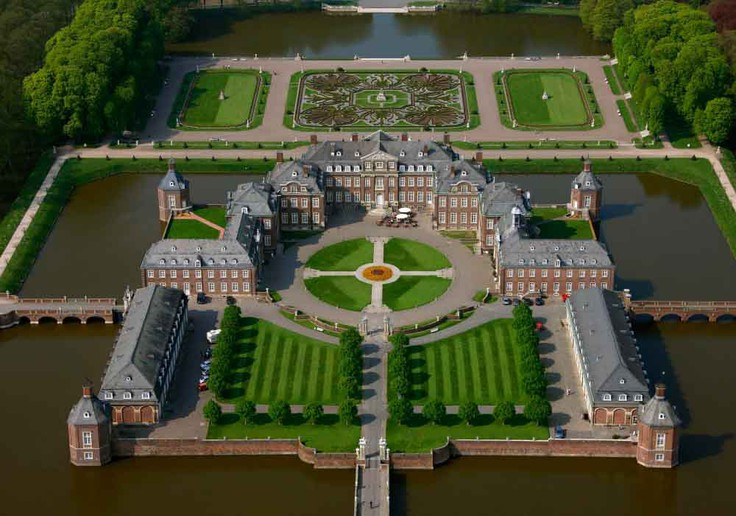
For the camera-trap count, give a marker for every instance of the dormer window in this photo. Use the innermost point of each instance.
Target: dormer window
(197, 263)
(558, 263)
(171, 183)
(587, 183)
(128, 378)
(127, 396)
(173, 261)
(463, 173)
(606, 397)
(622, 397)
(244, 210)
(223, 261)
(582, 248)
(357, 154)
(638, 397)
(199, 249)
(108, 395)
(622, 381)
(162, 262)
(211, 261)
(662, 416)
(521, 261)
(420, 154)
(402, 153)
(557, 248)
(294, 173)
(338, 153)
(429, 168)
(593, 261)
(223, 249)
(145, 395)
(186, 261)
(173, 248)
(544, 261)
(86, 415)
(234, 261)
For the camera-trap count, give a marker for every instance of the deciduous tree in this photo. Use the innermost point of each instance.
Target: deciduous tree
(434, 411)
(279, 411)
(212, 412)
(400, 410)
(313, 411)
(469, 412)
(246, 411)
(504, 411)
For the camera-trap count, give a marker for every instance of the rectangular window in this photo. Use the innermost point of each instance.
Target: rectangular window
(198, 273)
(295, 218)
(338, 196)
(379, 182)
(348, 197)
(223, 274)
(187, 288)
(593, 274)
(604, 273)
(284, 218)
(174, 284)
(453, 218)
(234, 286)
(172, 201)
(305, 217)
(185, 274)
(533, 273)
(420, 181)
(581, 285)
(464, 202)
(520, 286)
(582, 273)
(520, 274)
(442, 217)
(568, 286)
(489, 240)
(661, 440)
(172, 274)
(463, 218)
(420, 196)
(453, 202)
(234, 274)
(604, 284)
(411, 196)
(305, 202)
(367, 182)
(532, 286)
(443, 202)
(544, 287)
(246, 287)
(199, 286)
(429, 197)
(402, 197)
(544, 273)
(569, 273)
(349, 181)
(509, 286)
(474, 218)
(211, 286)
(367, 197)
(659, 457)
(391, 196)
(557, 274)
(161, 274)
(88, 455)
(246, 273)
(474, 202)
(223, 287)
(587, 201)
(411, 181)
(87, 439)
(510, 273)
(402, 181)
(391, 181)
(267, 240)
(150, 274)
(315, 217)
(556, 287)
(315, 202)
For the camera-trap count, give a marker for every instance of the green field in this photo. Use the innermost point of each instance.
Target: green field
(190, 228)
(420, 436)
(276, 364)
(205, 109)
(343, 256)
(342, 291)
(410, 255)
(412, 291)
(329, 435)
(215, 214)
(552, 224)
(612, 80)
(480, 365)
(565, 106)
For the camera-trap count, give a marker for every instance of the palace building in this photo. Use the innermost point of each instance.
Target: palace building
(143, 360)
(608, 364)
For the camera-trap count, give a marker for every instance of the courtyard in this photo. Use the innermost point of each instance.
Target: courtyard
(220, 99)
(364, 100)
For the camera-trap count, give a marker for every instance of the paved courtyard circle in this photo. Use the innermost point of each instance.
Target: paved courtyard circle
(378, 273)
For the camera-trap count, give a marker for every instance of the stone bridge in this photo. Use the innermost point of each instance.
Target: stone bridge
(713, 311)
(16, 310)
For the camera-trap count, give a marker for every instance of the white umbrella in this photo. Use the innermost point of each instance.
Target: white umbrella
(404, 210)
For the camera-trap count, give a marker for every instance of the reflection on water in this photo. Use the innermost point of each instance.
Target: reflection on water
(445, 35)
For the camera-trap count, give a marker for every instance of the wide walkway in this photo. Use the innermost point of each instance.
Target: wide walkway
(482, 69)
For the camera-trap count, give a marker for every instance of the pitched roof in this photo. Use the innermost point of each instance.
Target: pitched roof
(91, 407)
(516, 250)
(173, 180)
(499, 199)
(183, 253)
(658, 412)
(586, 180)
(295, 171)
(611, 362)
(255, 197)
(139, 349)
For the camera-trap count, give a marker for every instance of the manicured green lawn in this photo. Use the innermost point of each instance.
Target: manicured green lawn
(480, 365)
(190, 228)
(410, 255)
(329, 435)
(343, 256)
(565, 105)
(420, 436)
(215, 214)
(205, 107)
(411, 291)
(628, 119)
(545, 220)
(612, 80)
(342, 291)
(276, 364)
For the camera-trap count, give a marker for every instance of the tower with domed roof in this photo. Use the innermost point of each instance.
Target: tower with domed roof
(173, 193)
(658, 430)
(586, 193)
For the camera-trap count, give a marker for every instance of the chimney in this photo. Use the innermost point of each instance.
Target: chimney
(587, 165)
(172, 165)
(446, 138)
(305, 170)
(425, 149)
(313, 139)
(354, 137)
(452, 170)
(659, 391)
(404, 137)
(279, 157)
(479, 157)
(87, 391)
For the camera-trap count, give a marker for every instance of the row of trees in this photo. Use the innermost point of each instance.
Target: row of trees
(279, 412)
(670, 55)
(225, 351)
(533, 379)
(350, 364)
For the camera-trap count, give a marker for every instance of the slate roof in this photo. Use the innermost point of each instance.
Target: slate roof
(256, 197)
(499, 199)
(607, 345)
(88, 405)
(173, 181)
(452, 173)
(183, 253)
(139, 349)
(516, 250)
(586, 180)
(290, 171)
(650, 414)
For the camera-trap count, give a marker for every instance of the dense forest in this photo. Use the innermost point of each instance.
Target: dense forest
(673, 62)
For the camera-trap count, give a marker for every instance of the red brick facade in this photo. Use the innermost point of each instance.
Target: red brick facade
(553, 280)
(210, 279)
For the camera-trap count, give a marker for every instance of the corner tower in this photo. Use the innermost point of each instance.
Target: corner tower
(586, 193)
(173, 193)
(88, 427)
(658, 429)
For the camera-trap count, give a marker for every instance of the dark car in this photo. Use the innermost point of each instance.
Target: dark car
(528, 301)
(539, 301)
(559, 432)
(517, 301)
(201, 298)
(506, 301)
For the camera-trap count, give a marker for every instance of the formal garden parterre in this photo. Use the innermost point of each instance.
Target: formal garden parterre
(221, 100)
(546, 99)
(365, 100)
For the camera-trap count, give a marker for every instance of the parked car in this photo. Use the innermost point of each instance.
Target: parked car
(517, 301)
(201, 298)
(559, 432)
(528, 301)
(202, 385)
(208, 353)
(212, 336)
(506, 301)
(205, 368)
(539, 301)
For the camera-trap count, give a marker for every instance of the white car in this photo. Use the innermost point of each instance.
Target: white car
(212, 336)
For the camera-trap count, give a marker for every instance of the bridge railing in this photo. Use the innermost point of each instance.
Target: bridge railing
(688, 305)
(67, 300)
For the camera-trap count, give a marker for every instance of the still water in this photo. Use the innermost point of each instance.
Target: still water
(660, 232)
(445, 35)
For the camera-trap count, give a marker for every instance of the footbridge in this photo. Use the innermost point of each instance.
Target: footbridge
(16, 310)
(713, 311)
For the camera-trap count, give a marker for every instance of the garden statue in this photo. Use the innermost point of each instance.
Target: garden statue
(545, 95)
(222, 95)
(381, 97)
